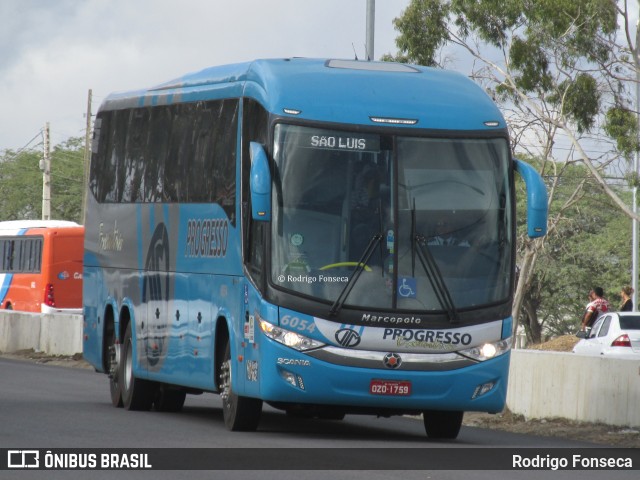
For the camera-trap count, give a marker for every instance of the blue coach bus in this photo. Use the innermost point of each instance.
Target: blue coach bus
(331, 237)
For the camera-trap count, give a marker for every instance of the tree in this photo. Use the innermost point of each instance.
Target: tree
(21, 183)
(67, 179)
(561, 76)
(558, 63)
(589, 247)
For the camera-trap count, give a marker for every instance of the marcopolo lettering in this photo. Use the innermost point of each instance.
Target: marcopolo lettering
(367, 317)
(207, 238)
(441, 336)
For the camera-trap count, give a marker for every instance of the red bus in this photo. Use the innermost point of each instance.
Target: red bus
(41, 266)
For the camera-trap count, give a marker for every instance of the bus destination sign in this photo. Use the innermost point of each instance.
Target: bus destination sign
(345, 142)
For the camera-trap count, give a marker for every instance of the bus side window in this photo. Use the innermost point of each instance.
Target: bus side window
(255, 122)
(8, 254)
(3, 250)
(256, 250)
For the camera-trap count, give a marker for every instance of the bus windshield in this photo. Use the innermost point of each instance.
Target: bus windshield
(424, 217)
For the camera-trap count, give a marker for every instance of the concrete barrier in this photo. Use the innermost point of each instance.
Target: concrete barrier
(541, 384)
(577, 387)
(53, 333)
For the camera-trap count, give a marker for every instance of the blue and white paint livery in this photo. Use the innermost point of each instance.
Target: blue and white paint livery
(328, 236)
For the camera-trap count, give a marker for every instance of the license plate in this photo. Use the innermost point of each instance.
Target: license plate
(400, 388)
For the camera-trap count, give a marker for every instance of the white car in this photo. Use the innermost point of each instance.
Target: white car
(614, 334)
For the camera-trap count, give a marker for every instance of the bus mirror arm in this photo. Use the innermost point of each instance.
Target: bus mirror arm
(536, 199)
(260, 183)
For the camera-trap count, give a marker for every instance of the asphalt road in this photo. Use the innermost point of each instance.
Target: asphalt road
(50, 407)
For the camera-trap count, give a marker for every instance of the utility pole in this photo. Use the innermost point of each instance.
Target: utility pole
(371, 26)
(87, 155)
(45, 166)
(634, 236)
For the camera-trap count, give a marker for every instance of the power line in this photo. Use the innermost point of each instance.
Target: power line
(20, 150)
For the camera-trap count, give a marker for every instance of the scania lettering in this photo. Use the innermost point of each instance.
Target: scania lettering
(294, 361)
(272, 231)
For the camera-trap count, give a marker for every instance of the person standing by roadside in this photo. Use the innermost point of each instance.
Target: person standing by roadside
(627, 303)
(597, 305)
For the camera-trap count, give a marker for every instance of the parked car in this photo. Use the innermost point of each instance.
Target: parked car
(613, 334)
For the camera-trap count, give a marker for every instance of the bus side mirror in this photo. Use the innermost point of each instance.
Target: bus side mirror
(537, 208)
(260, 183)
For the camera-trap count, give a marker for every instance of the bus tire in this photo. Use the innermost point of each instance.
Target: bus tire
(114, 350)
(241, 414)
(169, 399)
(137, 394)
(442, 424)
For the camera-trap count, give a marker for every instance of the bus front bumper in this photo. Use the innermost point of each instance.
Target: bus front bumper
(321, 377)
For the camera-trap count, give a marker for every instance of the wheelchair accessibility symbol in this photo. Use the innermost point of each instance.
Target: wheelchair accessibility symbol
(407, 287)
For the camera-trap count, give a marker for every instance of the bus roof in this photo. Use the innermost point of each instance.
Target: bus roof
(20, 224)
(341, 91)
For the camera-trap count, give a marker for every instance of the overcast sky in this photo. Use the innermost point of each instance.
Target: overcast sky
(53, 51)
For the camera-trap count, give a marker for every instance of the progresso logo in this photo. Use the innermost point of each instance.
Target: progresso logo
(155, 286)
(347, 337)
(155, 293)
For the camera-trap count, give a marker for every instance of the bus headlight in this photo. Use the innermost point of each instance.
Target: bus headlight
(487, 351)
(287, 337)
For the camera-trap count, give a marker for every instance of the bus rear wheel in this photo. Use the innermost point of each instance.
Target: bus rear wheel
(442, 424)
(241, 414)
(113, 369)
(137, 394)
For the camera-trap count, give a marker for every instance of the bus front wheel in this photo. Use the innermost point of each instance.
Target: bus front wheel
(137, 394)
(240, 414)
(442, 424)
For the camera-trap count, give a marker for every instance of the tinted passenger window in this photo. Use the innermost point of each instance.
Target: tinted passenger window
(255, 128)
(604, 330)
(20, 254)
(183, 153)
(596, 328)
(630, 323)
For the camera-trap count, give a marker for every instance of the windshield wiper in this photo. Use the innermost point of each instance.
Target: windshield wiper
(434, 275)
(337, 305)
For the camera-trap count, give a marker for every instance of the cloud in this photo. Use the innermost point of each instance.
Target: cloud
(52, 53)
